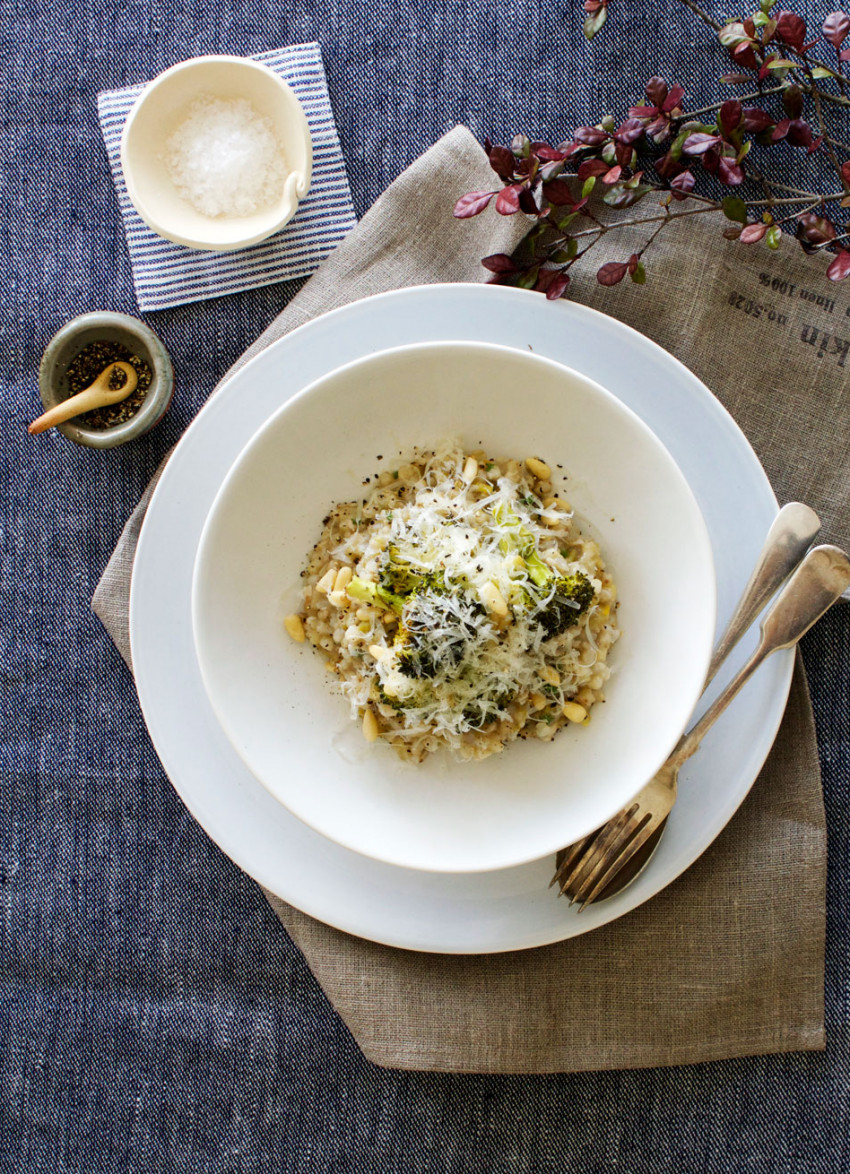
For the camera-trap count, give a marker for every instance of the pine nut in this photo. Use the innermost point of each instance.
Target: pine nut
(538, 468)
(538, 701)
(470, 470)
(326, 583)
(343, 577)
(295, 628)
(378, 651)
(370, 725)
(549, 674)
(493, 599)
(574, 712)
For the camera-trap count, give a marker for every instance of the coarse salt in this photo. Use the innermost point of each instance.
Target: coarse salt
(225, 159)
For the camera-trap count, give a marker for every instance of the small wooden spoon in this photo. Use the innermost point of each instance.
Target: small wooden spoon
(98, 395)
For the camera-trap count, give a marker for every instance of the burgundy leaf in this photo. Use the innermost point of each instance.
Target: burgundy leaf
(729, 172)
(730, 116)
(752, 233)
(813, 146)
(835, 29)
(792, 101)
(500, 263)
(592, 167)
(613, 175)
(699, 143)
(590, 136)
(711, 160)
(735, 79)
(502, 161)
(612, 273)
(630, 131)
(756, 120)
(507, 201)
(643, 111)
(749, 27)
(732, 232)
(845, 172)
(659, 129)
(683, 182)
(799, 133)
(840, 267)
(472, 203)
(549, 170)
(656, 90)
(791, 29)
(743, 55)
(623, 153)
(547, 154)
(558, 192)
(633, 262)
(557, 286)
(780, 130)
(667, 166)
(814, 230)
(673, 99)
(844, 55)
(545, 278)
(527, 202)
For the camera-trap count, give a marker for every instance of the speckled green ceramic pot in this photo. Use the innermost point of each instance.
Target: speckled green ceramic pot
(100, 326)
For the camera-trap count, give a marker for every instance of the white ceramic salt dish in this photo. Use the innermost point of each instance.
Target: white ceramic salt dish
(272, 696)
(160, 109)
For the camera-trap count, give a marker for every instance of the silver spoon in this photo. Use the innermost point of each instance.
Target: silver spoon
(789, 537)
(818, 582)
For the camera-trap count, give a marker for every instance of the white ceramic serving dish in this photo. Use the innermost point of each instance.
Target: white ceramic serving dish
(273, 697)
(456, 913)
(161, 107)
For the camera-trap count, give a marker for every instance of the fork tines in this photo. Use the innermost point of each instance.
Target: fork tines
(588, 865)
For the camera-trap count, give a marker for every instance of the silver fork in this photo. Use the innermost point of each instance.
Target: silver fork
(789, 537)
(818, 582)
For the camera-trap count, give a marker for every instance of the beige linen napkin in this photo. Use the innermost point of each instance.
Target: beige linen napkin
(728, 960)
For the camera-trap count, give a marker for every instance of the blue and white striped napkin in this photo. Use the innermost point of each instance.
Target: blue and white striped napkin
(166, 274)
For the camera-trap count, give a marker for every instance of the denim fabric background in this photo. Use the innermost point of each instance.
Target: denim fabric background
(153, 1014)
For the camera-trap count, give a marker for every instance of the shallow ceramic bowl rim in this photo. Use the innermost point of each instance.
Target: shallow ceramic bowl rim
(263, 226)
(287, 424)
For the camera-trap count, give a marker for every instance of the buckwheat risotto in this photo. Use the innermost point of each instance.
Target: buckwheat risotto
(459, 606)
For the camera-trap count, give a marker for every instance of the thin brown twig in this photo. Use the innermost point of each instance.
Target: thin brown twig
(704, 17)
(716, 105)
(832, 156)
(601, 229)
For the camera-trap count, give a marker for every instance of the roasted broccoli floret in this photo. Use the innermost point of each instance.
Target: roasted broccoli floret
(369, 592)
(402, 579)
(414, 657)
(573, 596)
(435, 632)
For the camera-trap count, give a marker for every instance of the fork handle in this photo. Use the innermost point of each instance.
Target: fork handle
(820, 580)
(789, 537)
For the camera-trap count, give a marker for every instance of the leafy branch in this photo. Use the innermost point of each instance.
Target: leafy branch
(659, 150)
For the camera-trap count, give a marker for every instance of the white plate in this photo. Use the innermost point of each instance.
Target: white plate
(450, 913)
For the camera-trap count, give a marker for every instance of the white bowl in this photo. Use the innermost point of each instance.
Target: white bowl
(160, 109)
(273, 697)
